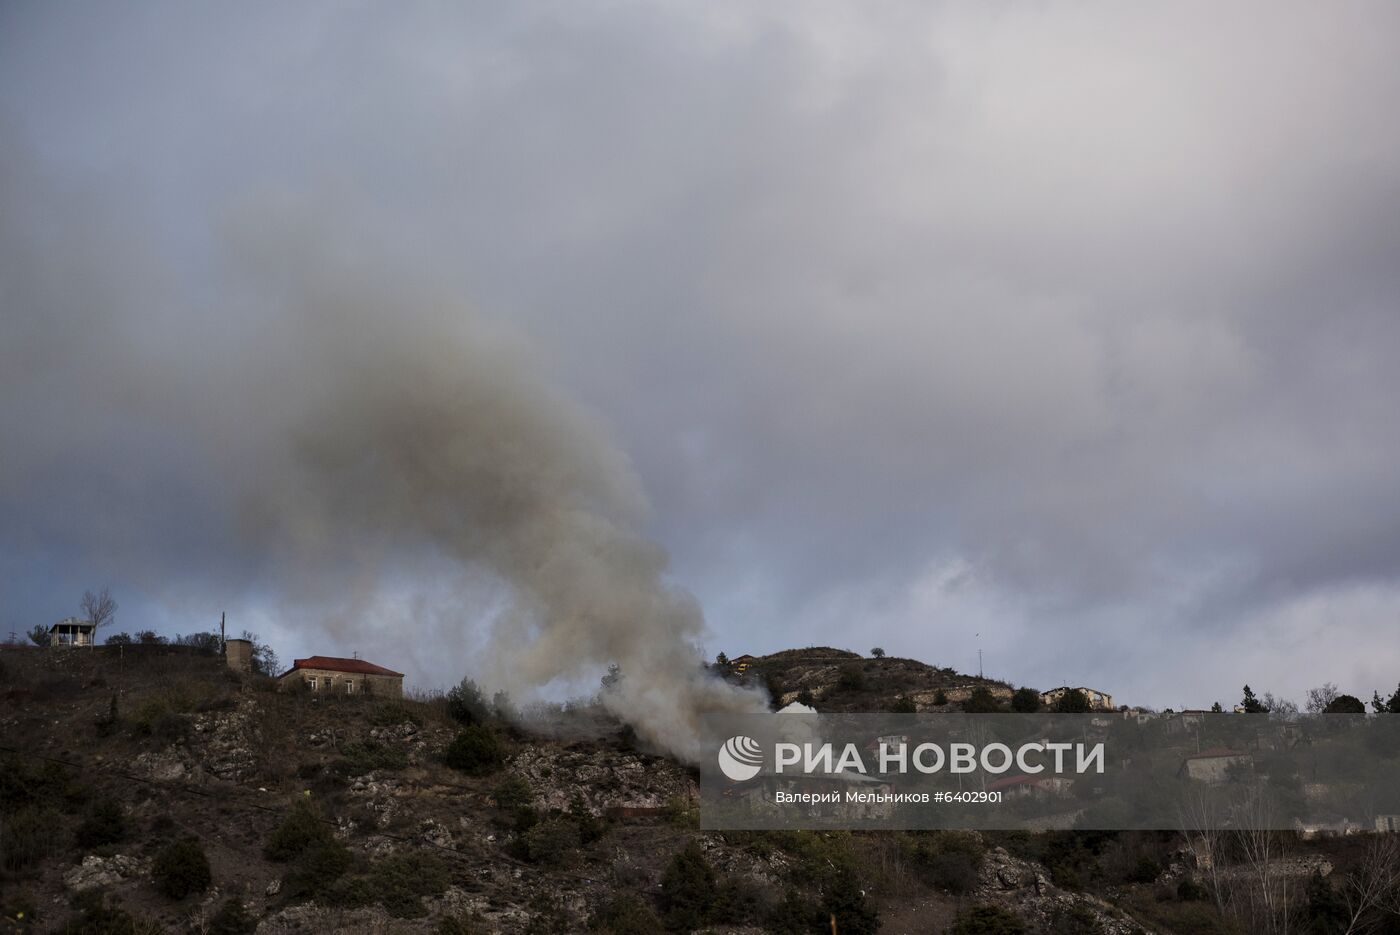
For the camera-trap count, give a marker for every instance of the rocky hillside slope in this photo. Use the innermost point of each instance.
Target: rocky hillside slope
(159, 791)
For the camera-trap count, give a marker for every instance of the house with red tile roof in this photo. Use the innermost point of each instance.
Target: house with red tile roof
(333, 674)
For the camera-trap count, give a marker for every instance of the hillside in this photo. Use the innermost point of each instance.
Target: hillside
(839, 680)
(333, 813)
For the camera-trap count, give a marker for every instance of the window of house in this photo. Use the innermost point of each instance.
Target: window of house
(312, 683)
(349, 687)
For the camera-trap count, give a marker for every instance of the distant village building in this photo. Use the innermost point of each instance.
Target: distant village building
(1099, 701)
(740, 664)
(1038, 788)
(71, 632)
(1215, 764)
(343, 676)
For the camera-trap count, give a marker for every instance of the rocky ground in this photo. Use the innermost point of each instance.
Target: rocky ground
(571, 831)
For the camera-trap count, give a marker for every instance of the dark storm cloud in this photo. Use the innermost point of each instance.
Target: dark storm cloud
(1069, 325)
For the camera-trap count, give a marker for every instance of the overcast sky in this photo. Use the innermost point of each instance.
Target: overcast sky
(1066, 331)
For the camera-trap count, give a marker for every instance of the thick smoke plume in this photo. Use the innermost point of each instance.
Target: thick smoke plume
(369, 444)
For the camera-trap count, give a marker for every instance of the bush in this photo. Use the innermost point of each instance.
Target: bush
(852, 679)
(465, 704)
(626, 915)
(232, 919)
(844, 899)
(316, 870)
(399, 883)
(393, 713)
(1189, 891)
(512, 792)
(904, 705)
(459, 925)
(1025, 701)
(1146, 870)
(26, 837)
(361, 756)
(551, 843)
(689, 890)
(981, 701)
(105, 823)
(1075, 920)
(299, 832)
(97, 917)
(476, 751)
(170, 728)
(948, 860)
(181, 869)
(940, 697)
(590, 827)
(987, 919)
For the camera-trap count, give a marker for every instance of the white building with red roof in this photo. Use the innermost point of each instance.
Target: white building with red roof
(343, 676)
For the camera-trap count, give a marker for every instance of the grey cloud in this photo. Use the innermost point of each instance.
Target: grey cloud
(1098, 301)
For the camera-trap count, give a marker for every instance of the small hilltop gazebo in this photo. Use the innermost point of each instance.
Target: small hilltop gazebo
(72, 631)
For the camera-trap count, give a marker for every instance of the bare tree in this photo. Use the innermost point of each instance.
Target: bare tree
(1263, 852)
(99, 610)
(1319, 698)
(1202, 818)
(1372, 890)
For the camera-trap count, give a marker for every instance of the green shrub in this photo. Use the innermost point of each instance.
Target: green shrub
(986, 919)
(105, 823)
(181, 869)
(590, 827)
(981, 701)
(27, 837)
(393, 713)
(551, 843)
(794, 914)
(904, 705)
(948, 860)
(689, 890)
(465, 704)
(170, 728)
(20, 910)
(400, 882)
(852, 678)
(1188, 891)
(300, 831)
(1025, 701)
(361, 756)
(512, 792)
(460, 925)
(844, 899)
(476, 751)
(316, 870)
(525, 818)
(397, 883)
(626, 915)
(232, 919)
(1145, 870)
(940, 697)
(1075, 919)
(95, 916)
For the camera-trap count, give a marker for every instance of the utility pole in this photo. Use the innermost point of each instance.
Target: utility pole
(223, 640)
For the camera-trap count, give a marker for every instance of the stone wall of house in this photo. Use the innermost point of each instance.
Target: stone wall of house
(328, 680)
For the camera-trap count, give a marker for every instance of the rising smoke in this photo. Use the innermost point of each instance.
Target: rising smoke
(353, 426)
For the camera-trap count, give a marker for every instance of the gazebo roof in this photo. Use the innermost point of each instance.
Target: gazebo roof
(72, 623)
